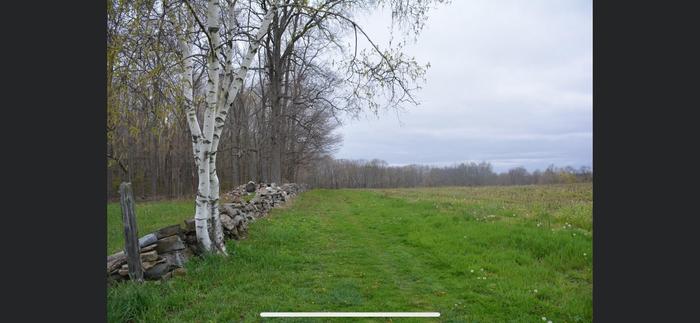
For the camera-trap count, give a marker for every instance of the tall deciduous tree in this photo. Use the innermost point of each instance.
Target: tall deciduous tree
(367, 73)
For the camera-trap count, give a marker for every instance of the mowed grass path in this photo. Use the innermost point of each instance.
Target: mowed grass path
(493, 254)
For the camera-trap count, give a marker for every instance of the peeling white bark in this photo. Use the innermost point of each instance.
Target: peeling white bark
(208, 176)
(201, 202)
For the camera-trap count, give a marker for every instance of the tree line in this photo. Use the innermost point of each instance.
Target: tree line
(342, 173)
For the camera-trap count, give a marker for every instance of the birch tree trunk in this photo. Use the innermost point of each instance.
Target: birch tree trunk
(235, 84)
(201, 211)
(213, 98)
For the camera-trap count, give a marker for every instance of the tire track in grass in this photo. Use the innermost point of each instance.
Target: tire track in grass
(390, 273)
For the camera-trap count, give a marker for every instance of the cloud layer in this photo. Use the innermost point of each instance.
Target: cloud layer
(510, 82)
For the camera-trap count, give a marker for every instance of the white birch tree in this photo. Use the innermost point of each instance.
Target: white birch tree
(219, 98)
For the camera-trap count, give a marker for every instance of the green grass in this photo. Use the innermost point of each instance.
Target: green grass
(150, 216)
(472, 254)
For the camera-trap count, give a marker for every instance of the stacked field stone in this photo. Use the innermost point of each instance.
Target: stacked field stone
(165, 251)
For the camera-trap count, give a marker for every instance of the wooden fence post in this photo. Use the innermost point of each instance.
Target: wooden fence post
(131, 240)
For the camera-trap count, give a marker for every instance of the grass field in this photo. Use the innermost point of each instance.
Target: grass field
(491, 254)
(150, 216)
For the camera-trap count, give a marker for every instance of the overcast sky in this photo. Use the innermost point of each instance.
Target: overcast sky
(510, 83)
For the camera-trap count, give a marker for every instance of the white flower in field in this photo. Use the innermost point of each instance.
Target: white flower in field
(544, 318)
(549, 321)
(584, 254)
(473, 269)
(535, 291)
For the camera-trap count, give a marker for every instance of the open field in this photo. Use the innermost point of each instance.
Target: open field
(488, 254)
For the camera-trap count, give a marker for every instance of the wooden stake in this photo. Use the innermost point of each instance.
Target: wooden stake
(131, 241)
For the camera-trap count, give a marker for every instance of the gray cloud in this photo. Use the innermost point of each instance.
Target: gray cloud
(510, 82)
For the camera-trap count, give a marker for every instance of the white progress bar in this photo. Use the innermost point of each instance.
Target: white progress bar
(350, 314)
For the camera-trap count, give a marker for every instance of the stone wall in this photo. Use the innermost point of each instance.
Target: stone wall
(165, 251)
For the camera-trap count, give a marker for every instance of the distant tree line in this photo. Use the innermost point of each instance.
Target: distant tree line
(342, 173)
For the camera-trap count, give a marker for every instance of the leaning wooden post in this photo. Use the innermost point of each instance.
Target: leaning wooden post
(131, 240)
